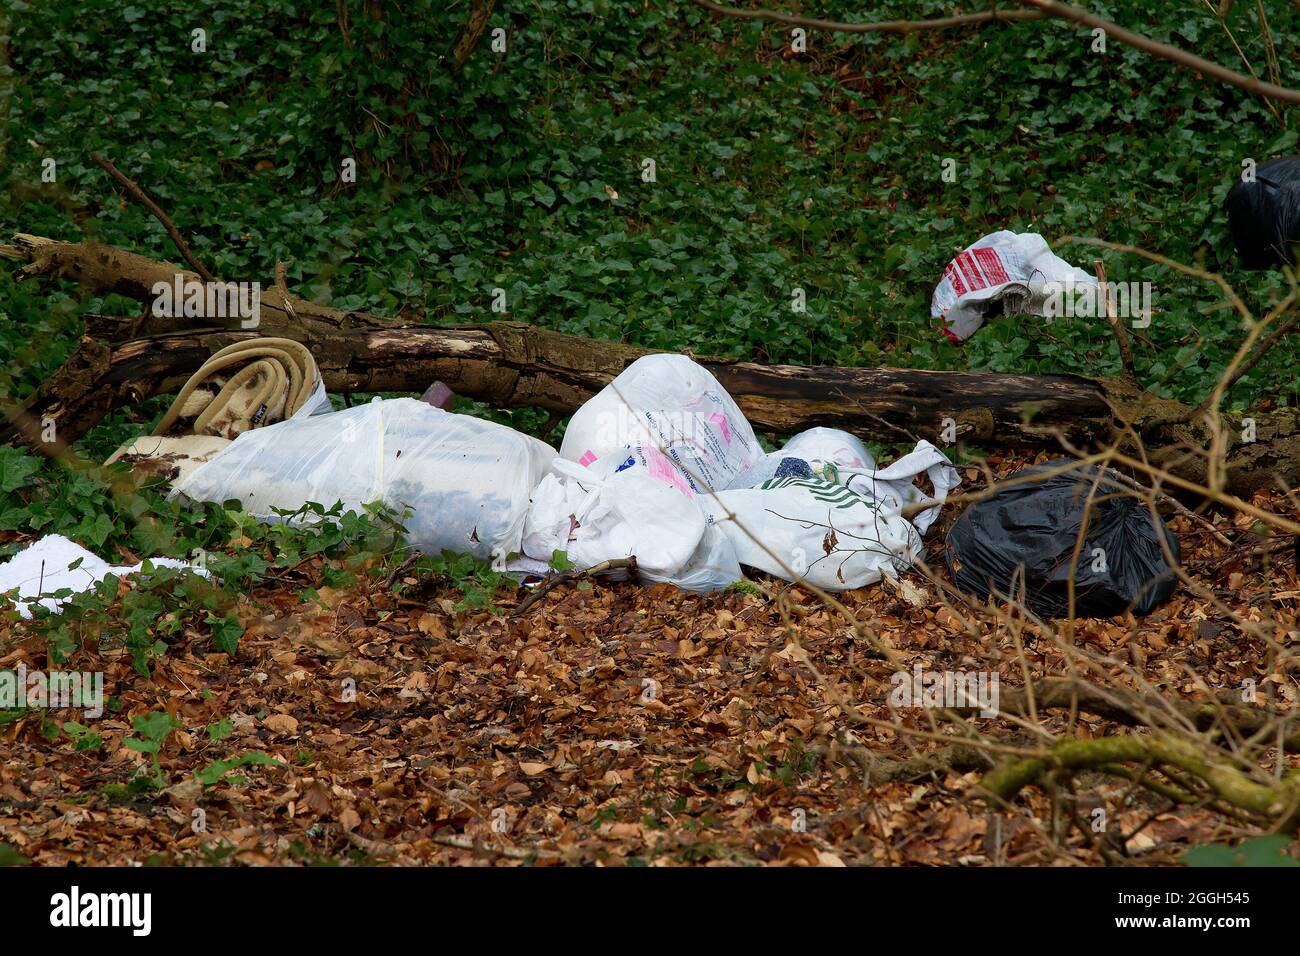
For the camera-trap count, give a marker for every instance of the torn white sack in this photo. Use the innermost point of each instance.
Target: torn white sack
(894, 490)
(635, 503)
(1004, 273)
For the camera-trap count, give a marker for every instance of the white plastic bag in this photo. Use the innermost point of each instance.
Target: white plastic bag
(463, 483)
(671, 403)
(634, 503)
(817, 447)
(825, 533)
(1004, 272)
(820, 445)
(612, 510)
(893, 489)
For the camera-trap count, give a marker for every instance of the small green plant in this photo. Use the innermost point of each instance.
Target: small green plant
(744, 586)
(83, 738)
(152, 730)
(226, 633)
(11, 857)
(476, 580)
(220, 730)
(213, 772)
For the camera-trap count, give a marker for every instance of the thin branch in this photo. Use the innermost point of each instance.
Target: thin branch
(1173, 54)
(1173, 503)
(884, 26)
(1045, 9)
(614, 564)
(1121, 336)
(509, 852)
(1269, 341)
(140, 196)
(479, 14)
(1228, 291)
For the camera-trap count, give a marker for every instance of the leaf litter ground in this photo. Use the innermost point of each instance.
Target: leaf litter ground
(610, 724)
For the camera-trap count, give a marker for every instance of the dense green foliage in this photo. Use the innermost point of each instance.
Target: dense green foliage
(774, 171)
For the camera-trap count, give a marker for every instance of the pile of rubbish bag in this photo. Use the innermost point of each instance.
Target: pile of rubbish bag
(661, 465)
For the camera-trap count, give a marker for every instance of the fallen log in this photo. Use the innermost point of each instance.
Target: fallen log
(124, 361)
(514, 366)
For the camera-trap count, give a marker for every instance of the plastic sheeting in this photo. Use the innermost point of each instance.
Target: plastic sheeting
(462, 483)
(1023, 540)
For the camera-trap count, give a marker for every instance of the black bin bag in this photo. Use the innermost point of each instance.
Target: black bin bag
(1264, 215)
(1035, 524)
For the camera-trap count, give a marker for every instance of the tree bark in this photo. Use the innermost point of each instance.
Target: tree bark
(125, 361)
(513, 365)
(480, 11)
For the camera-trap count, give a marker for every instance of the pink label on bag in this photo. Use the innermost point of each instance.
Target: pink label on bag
(664, 470)
(587, 458)
(721, 421)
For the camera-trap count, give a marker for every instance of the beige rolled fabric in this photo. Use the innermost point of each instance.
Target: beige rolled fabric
(245, 385)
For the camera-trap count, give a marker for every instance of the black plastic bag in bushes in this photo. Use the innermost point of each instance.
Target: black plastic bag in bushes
(1036, 524)
(1264, 215)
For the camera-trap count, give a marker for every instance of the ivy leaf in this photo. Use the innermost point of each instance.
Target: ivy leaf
(16, 469)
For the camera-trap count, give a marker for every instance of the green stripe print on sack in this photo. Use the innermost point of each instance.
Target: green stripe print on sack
(838, 496)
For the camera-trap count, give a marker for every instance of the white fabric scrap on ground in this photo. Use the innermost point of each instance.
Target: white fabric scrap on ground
(893, 489)
(47, 566)
(633, 502)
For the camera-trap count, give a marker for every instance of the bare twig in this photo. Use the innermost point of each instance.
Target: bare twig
(140, 196)
(1269, 341)
(479, 14)
(1173, 54)
(1121, 336)
(509, 852)
(1044, 9)
(614, 564)
(884, 26)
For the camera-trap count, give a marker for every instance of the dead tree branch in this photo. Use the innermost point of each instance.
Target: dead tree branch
(139, 195)
(1044, 9)
(884, 26)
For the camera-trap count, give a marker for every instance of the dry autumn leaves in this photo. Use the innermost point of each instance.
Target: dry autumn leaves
(609, 724)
